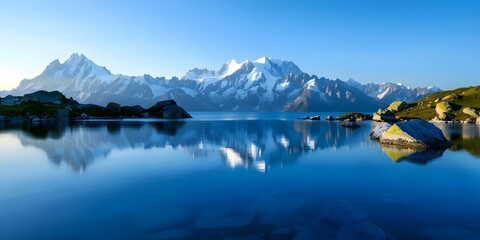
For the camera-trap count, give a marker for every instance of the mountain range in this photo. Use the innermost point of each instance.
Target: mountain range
(265, 84)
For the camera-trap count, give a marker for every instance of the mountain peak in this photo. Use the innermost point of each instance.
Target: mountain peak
(262, 60)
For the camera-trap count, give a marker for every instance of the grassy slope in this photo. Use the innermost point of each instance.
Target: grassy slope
(425, 107)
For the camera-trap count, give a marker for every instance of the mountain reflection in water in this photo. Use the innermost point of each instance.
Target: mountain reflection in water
(247, 143)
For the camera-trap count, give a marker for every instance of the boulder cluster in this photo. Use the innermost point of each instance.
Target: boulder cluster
(54, 106)
(388, 114)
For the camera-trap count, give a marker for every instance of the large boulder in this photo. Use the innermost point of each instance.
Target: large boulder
(415, 133)
(397, 106)
(54, 97)
(471, 112)
(168, 109)
(133, 109)
(384, 115)
(174, 111)
(160, 105)
(444, 111)
(113, 109)
(330, 118)
(379, 130)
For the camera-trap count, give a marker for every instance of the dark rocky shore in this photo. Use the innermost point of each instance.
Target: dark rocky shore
(54, 106)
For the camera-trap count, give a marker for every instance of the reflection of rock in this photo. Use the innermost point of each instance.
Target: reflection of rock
(350, 125)
(256, 144)
(379, 129)
(420, 156)
(415, 133)
(342, 221)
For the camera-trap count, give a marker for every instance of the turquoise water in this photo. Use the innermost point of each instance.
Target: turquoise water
(233, 175)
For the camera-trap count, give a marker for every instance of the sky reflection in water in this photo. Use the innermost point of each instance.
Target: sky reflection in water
(135, 179)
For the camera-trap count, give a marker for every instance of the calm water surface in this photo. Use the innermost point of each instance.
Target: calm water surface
(233, 175)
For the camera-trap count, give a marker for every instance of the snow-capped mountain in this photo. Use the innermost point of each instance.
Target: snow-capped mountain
(265, 84)
(389, 92)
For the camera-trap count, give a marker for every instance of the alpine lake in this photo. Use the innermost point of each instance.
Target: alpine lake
(233, 176)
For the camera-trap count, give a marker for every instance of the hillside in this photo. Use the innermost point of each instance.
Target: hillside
(458, 99)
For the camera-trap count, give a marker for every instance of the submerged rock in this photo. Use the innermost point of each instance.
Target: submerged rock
(342, 221)
(379, 130)
(179, 234)
(281, 234)
(219, 219)
(415, 133)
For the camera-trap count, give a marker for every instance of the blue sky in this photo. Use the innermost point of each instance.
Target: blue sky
(419, 43)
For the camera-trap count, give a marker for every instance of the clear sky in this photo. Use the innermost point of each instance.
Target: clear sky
(419, 43)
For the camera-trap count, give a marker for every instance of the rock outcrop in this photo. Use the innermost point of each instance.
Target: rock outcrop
(471, 112)
(384, 115)
(415, 133)
(168, 109)
(113, 109)
(397, 106)
(46, 106)
(444, 111)
(317, 117)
